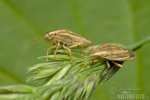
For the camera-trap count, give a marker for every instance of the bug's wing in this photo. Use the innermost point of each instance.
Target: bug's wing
(63, 32)
(74, 38)
(113, 52)
(68, 33)
(123, 56)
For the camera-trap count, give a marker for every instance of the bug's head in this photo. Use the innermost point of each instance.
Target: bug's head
(132, 55)
(50, 35)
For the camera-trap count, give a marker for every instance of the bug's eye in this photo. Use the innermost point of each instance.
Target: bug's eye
(65, 44)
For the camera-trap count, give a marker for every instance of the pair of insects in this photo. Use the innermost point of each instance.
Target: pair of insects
(69, 40)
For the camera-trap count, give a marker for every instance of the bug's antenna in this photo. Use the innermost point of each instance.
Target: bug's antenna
(35, 41)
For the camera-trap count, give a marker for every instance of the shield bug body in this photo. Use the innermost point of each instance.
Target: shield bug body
(113, 52)
(67, 40)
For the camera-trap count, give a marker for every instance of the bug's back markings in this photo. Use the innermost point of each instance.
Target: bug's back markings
(113, 52)
(70, 39)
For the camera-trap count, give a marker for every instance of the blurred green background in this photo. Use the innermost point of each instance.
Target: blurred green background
(119, 21)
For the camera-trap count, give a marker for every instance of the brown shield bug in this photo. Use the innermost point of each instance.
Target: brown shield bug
(67, 39)
(113, 52)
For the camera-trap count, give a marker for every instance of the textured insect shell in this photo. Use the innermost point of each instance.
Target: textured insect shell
(113, 52)
(50, 35)
(68, 38)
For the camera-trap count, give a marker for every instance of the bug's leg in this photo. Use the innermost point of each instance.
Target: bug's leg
(73, 46)
(77, 45)
(107, 64)
(57, 46)
(69, 50)
(48, 50)
(117, 64)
